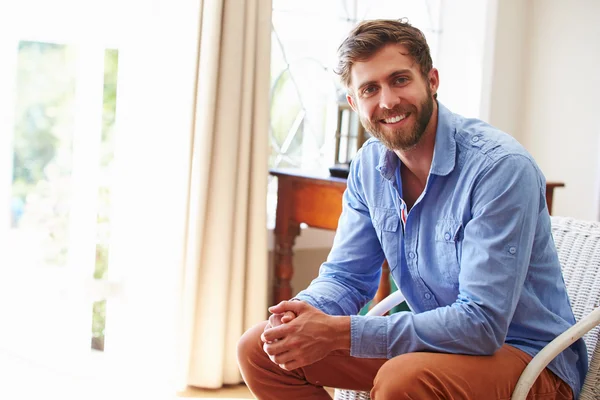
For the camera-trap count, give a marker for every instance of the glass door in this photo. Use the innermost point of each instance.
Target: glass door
(58, 93)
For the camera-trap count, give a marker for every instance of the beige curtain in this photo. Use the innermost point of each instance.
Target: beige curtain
(225, 279)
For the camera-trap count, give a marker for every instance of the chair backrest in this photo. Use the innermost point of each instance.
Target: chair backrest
(578, 245)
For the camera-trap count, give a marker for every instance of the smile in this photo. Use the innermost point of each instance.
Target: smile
(393, 120)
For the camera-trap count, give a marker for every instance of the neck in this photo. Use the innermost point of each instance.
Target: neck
(418, 159)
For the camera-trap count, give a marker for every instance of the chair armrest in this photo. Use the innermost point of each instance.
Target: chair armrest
(552, 349)
(387, 303)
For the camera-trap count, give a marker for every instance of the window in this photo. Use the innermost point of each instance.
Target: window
(83, 263)
(58, 82)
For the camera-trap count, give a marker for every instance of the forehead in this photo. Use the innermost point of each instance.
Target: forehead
(378, 67)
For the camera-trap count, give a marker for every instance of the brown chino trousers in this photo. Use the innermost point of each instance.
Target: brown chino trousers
(414, 376)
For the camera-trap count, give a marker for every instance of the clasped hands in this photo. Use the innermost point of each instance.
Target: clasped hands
(298, 334)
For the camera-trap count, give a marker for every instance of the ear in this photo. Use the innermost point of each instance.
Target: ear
(350, 101)
(434, 80)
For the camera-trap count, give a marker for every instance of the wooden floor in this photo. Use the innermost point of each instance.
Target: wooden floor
(230, 392)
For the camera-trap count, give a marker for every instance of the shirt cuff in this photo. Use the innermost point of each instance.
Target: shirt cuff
(307, 298)
(368, 336)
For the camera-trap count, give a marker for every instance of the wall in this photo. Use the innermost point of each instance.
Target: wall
(561, 82)
(508, 64)
(543, 92)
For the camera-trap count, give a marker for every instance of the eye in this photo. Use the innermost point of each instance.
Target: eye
(369, 90)
(401, 80)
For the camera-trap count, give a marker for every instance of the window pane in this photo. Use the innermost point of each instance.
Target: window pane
(42, 159)
(40, 315)
(109, 107)
(60, 200)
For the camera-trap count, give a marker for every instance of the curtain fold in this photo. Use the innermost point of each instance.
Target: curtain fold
(225, 272)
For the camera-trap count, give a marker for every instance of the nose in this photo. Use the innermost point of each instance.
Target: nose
(388, 99)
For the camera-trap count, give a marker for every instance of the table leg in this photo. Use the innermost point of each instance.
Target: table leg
(284, 268)
(286, 230)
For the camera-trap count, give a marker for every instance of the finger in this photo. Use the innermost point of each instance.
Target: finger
(276, 333)
(269, 350)
(275, 320)
(267, 327)
(291, 365)
(276, 305)
(275, 349)
(294, 306)
(283, 358)
(287, 317)
(276, 346)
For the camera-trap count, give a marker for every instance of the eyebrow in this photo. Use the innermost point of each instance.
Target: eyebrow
(390, 76)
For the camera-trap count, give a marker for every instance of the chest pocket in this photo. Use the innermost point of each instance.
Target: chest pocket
(387, 224)
(448, 246)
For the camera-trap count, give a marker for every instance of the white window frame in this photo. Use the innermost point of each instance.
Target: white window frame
(82, 28)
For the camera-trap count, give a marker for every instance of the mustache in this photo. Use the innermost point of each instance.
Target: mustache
(394, 111)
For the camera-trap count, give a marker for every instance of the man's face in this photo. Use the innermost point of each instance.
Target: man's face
(390, 95)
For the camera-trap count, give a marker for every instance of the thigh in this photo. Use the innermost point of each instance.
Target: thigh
(342, 371)
(452, 376)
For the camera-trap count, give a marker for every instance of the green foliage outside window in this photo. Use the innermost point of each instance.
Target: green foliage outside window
(42, 157)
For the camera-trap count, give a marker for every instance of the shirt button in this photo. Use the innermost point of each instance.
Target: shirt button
(411, 254)
(475, 139)
(512, 250)
(447, 236)
(427, 296)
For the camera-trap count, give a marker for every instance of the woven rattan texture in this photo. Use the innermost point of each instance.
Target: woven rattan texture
(578, 244)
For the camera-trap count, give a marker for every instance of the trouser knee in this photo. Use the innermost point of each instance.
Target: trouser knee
(249, 347)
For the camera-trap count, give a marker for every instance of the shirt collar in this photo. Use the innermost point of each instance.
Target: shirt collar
(444, 152)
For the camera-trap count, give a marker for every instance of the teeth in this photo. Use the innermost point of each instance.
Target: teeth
(394, 119)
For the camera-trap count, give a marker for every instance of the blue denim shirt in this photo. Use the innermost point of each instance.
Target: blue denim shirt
(475, 259)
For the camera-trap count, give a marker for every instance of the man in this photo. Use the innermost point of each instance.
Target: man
(458, 210)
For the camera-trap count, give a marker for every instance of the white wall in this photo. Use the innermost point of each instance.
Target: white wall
(545, 84)
(459, 58)
(509, 48)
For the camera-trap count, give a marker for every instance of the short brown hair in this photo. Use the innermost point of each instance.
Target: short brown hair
(369, 37)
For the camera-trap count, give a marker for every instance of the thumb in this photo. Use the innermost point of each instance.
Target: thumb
(294, 306)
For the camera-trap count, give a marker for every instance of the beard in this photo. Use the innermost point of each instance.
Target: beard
(404, 138)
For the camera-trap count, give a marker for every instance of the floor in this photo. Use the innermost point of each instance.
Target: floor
(230, 392)
(24, 380)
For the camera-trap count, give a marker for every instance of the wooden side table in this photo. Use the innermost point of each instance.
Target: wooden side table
(316, 200)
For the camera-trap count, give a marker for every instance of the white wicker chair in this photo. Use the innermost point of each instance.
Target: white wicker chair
(578, 244)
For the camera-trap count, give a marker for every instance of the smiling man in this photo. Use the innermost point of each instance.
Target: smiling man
(457, 208)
